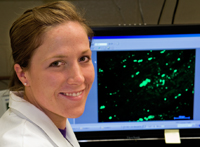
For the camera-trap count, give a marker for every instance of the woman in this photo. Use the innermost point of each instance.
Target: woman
(52, 78)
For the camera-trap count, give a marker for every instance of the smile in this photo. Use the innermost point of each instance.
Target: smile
(73, 94)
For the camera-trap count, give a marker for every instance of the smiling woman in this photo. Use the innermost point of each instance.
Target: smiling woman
(53, 76)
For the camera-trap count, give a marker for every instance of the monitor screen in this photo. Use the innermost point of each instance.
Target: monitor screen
(146, 79)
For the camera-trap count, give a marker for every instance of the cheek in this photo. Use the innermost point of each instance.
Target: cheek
(45, 81)
(52, 80)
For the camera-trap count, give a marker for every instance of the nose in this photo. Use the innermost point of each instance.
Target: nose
(75, 75)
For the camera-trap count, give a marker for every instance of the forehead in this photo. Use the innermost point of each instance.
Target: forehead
(67, 29)
(70, 36)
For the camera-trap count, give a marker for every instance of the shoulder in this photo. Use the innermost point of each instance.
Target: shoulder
(18, 131)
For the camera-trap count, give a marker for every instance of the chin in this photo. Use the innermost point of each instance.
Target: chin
(76, 114)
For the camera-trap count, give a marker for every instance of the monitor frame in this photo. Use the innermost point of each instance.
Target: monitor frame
(140, 135)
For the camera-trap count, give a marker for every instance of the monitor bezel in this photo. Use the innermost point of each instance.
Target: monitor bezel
(128, 135)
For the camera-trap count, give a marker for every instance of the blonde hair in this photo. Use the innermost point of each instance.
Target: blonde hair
(27, 31)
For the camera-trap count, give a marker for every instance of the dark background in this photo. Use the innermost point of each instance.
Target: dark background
(145, 85)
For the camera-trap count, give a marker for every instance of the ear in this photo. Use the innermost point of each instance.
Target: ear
(20, 74)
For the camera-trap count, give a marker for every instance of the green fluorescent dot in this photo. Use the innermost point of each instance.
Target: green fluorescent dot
(100, 70)
(145, 82)
(141, 119)
(186, 89)
(110, 117)
(151, 116)
(162, 51)
(114, 115)
(175, 70)
(140, 60)
(116, 105)
(163, 82)
(179, 94)
(106, 87)
(132, 76)
(178, 59)
(165, 99)
(137, 73)
(175, 97)
(166, 64)
(124, 66)
(188, 66)
(124, 60)
(148, 110)
(110, 93)
(150, 58)
(134, 60)
(103, 107)
(162, 75)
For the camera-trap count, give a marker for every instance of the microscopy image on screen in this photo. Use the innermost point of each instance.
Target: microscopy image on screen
(145, 85)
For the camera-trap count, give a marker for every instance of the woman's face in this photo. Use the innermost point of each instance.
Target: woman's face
(61, 72)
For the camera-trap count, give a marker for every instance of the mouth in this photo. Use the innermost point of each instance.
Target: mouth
(73, 95)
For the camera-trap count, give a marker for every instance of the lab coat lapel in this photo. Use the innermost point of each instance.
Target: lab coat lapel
(40, 119)
(70, 135)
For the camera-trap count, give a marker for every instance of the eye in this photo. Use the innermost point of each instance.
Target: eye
(57, 64)
(85, 59)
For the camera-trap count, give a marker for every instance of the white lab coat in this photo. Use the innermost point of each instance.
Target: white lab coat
(24, 125)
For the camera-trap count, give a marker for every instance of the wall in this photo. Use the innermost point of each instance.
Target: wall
(100, 13)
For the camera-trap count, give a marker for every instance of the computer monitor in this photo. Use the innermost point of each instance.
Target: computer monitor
(4, 101)
(146, 81)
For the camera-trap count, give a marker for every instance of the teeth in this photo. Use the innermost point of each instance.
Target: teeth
(73, 94)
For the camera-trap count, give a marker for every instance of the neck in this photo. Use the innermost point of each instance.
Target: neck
(60, 123)
(58, 120)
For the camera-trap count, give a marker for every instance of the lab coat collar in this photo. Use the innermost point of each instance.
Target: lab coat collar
(40, 119)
